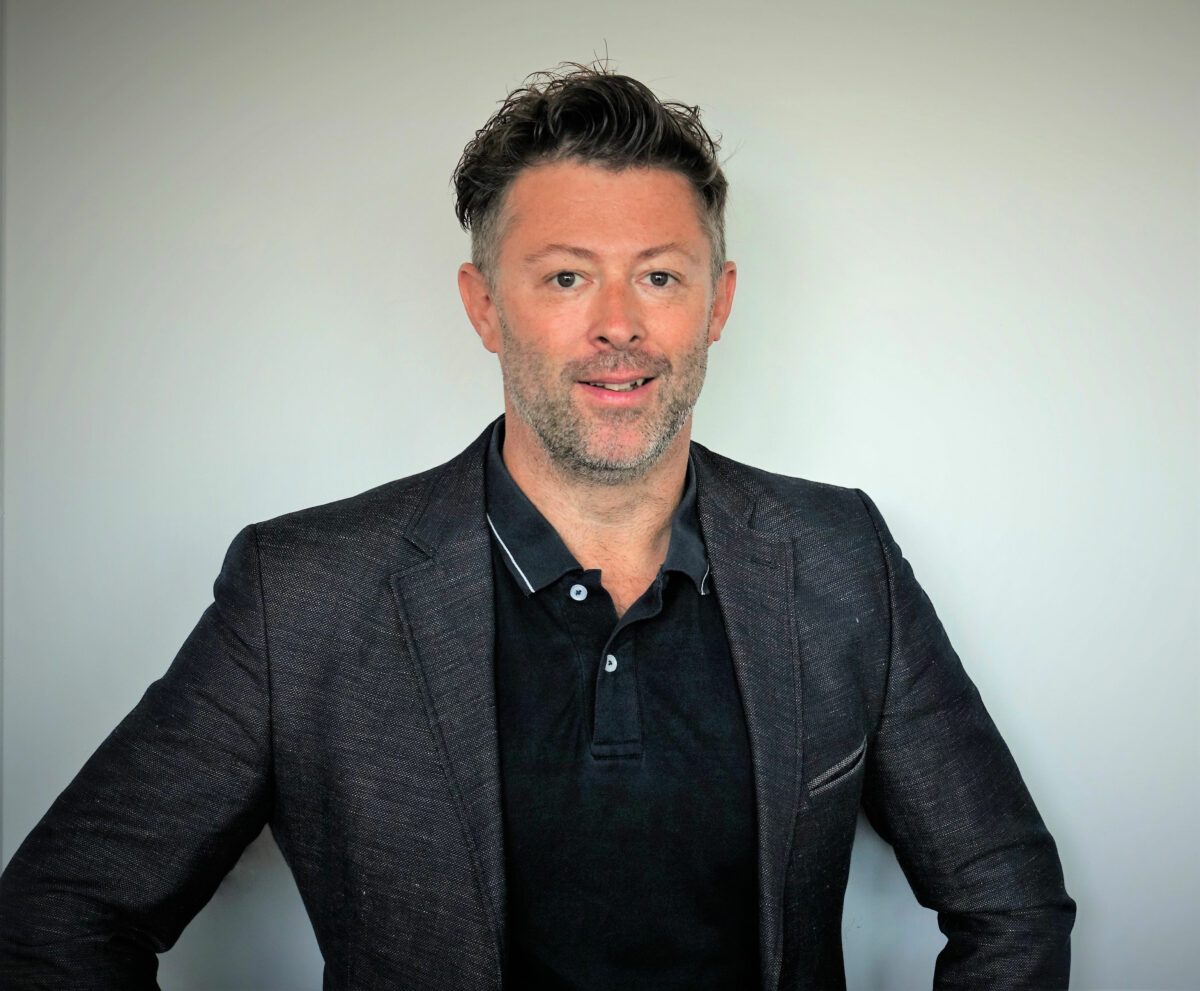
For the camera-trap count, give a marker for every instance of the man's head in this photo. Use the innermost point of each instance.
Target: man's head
(599, 276)
(592, 116)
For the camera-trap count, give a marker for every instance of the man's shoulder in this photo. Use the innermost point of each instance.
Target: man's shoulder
(385, 524)
(781, 503)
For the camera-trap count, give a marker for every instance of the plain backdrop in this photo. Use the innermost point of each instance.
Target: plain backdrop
(969, 244)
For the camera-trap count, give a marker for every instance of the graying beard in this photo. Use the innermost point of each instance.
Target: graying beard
(569, 458)
(553, 425)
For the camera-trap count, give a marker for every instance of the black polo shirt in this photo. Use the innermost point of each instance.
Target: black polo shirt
(630, 839)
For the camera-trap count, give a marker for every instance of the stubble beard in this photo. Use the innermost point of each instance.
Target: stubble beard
(574, 442)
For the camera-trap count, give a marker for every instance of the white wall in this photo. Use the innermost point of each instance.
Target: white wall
(968, 243)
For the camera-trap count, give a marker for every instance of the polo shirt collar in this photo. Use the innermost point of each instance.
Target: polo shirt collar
(534, 552)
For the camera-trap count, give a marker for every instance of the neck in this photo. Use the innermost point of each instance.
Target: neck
(623, 529)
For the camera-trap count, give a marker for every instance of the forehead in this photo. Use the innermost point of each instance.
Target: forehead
(599, 208)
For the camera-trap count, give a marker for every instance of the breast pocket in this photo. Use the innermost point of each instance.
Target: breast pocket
(839, 773)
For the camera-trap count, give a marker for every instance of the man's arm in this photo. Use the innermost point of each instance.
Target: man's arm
(138, 842)
(942, 788)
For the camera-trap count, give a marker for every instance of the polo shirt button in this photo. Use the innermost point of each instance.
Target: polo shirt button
(611, 663)
(578, 593)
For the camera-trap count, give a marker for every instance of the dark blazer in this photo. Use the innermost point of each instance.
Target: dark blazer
(340, 688)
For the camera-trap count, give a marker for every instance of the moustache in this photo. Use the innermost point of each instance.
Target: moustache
(622, 363)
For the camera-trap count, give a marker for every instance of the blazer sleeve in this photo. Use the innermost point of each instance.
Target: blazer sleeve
(140, 839)
(943, 789)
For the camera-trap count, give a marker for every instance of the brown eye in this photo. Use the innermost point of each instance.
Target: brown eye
(565, 280)
(660, 279)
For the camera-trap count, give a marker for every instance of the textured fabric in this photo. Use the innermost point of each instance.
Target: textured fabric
(628, 800)
(340, 688)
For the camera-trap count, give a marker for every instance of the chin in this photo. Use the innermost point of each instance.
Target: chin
(623, 450)
(616, 463)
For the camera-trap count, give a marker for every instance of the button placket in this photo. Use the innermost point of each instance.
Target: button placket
(618, 722)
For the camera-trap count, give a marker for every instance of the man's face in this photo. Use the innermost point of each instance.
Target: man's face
(602, 311)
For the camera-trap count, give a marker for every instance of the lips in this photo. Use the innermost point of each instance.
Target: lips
(627, 386)
(618, 375)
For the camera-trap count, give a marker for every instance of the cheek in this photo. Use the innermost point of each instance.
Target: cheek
(523, 362)
(686, 316)
(542, 342)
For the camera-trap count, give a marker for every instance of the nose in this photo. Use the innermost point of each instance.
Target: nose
(617, 320)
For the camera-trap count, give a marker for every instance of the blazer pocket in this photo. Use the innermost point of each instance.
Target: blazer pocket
(840, 771)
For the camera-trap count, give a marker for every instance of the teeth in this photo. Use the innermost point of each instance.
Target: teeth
(620, 386)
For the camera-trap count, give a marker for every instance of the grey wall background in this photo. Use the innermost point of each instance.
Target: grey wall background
(969, 242)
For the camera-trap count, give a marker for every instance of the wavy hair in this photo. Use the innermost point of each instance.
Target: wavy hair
(591, 115)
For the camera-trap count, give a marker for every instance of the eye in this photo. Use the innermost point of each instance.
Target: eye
(660, 280)
(566, 280)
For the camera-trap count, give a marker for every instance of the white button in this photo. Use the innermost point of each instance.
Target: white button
(578, 593)
(611, 663)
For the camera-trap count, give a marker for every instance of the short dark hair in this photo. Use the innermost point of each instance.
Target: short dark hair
(592, 115)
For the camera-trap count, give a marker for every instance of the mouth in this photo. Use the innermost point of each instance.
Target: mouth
(628, 386)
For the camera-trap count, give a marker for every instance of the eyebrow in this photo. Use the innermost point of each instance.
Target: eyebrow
(588, 255)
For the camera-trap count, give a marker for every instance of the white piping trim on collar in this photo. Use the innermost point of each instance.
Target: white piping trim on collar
(509, 553)
(707, 569)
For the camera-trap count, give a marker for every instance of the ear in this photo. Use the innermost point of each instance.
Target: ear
(480, 305)
(722, 301)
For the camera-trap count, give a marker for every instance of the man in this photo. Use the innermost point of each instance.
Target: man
(587, 706)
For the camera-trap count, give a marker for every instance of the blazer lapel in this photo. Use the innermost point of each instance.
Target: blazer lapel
(446, 608)
(753, 576)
